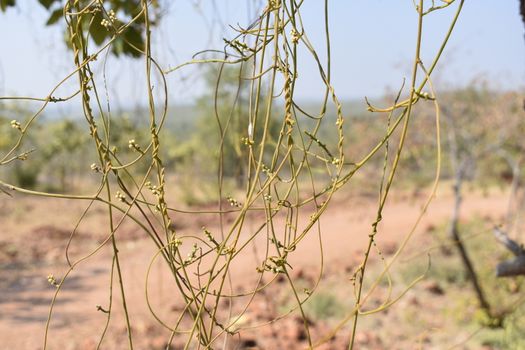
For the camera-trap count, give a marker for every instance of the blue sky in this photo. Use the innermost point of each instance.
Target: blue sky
(372, 45)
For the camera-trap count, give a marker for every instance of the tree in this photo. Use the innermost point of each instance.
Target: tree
(224, 119)
(121, 21)
(67, 142)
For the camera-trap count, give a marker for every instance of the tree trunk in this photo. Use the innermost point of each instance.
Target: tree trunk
(454, 234)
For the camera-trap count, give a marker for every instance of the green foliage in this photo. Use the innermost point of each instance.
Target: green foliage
(65, 140)
(514, 326)
(222, 128)
(47, 3)
(26, 175)
(324, 305)
(7, 132)
(20, 170)
(445, 269)
(4, 4)
(104, 21)
(56, 152)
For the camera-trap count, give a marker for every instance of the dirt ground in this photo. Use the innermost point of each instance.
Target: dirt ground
(32, 242)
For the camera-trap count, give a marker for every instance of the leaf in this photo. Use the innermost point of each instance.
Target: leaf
(98, 32)
(118, 47)
(129, 42)
(47, 3)
(134, 41)
(4, 4)
(55, 16)
(132, 7)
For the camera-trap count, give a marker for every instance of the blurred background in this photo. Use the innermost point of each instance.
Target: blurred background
(479, 84)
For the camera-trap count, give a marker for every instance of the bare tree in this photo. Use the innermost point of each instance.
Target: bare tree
(467, 145)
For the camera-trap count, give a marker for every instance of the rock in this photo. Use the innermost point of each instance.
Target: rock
(389, 248)
(368, 338)
(430, 228)
(413, 300)
(260, 310)
(280, 278)
(294, 329)
(88, 344)
(433, 287)
(248, 343)
(303, 274)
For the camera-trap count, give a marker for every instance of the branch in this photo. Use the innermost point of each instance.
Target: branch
(516, 266)
(522, 10)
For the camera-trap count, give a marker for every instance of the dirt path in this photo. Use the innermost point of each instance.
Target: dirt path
(25, 296)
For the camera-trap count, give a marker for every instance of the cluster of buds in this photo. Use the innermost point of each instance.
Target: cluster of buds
(176, 241)
(121, 197)
(295, 36)
(16, 125)
(192, 255)
(274, 5)
(105, 23)
(153, 188)
(247, 141)
(228, 251)
(265, 170)
(210, 236)
(108, 23)
(274, 264)
(23, 156)
(52, 280)
(85, 83)
(335, 161)
(233, 202)
(239, 46)
(95, 168)
(134, 146)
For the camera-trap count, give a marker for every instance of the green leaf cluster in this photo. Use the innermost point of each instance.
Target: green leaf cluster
(129, 41)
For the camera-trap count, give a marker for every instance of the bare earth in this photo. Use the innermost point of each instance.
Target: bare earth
(34, 233)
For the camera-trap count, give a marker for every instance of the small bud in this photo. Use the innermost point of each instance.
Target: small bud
(295, 36)
(23, 156)
(134, 146)
(95, 168)
(112, 16)
(16, 124)
(233, 202)
(52, 280)
(121, 197)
